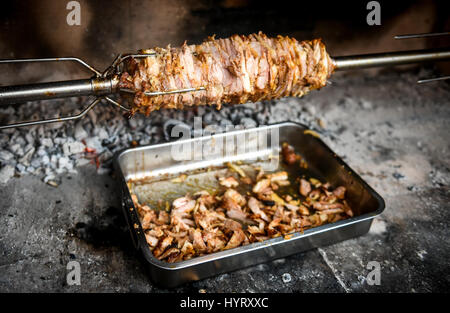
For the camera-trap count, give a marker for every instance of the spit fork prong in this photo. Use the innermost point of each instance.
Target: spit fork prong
(57, 119)
(114, 67)
(63, 59)
(72, 88)
(101, 85)
(434, 79)
(422, 35)
(162, 93)
(117, 104)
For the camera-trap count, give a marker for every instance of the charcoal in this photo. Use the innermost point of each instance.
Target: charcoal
(61, 148)
(6, 172)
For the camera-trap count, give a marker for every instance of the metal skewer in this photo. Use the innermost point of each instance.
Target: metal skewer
(426, 35)
(423, 35)
(390, 58)
(101, 85)
(429, 80)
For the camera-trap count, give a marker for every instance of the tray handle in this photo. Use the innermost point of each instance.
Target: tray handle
(128, 209)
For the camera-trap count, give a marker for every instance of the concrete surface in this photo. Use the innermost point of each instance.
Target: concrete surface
(390, 130)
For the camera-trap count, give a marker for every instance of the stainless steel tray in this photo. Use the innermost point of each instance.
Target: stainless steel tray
(262, 144)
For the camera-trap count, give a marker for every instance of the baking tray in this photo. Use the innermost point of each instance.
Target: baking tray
(163, 160)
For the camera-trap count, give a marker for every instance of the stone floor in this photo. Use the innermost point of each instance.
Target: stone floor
(392, 132)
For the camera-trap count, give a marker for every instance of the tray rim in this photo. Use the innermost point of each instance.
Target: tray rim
(253, 246)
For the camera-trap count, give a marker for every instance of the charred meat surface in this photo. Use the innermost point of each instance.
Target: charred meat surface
(211, 221)
(235, 70)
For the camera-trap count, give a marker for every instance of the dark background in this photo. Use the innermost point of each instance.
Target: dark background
(39, 28)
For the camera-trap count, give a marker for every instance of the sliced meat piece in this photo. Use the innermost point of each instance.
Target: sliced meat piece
(148, 219)
(143, 209)
(273, 224)
(292, 207)
(184, 205)
(197, 239)
(305, 187)
(163, 218)
(238, 214)
(232, 225)
(176, 235)
(279, 212)
(288, 153)
(230, 204)
(180, 216)
(187, 248)
(207, 219)
(235, 240)
(181, 223)
(255, 230)
(229, 182)
(278, 176)
(255, 206)
(332, 211)
(327, 206)
(167, 253)
(175, 256)
(163, 244)
(261, 185)
(246, 180)
(348, 210)
(213, 241)
(339, 192)
(300, 223)
(235, 196)
(303, 210)
(156, 231)
(152, 241)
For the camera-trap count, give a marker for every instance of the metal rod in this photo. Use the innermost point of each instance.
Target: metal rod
(117, 104)
(63, 59)
(102, 86)
(54, 120)
(429, 80)
(423, 35)
(51, 90)
(390, 58)
(162, 93)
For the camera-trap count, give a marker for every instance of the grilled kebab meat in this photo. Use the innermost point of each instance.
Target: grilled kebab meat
(205, 223)
(236, 70)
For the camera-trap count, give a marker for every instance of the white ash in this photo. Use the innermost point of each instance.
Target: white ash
(286, 277)
(70, 148)
(6, 172)
(6, 155)
(59, 148)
